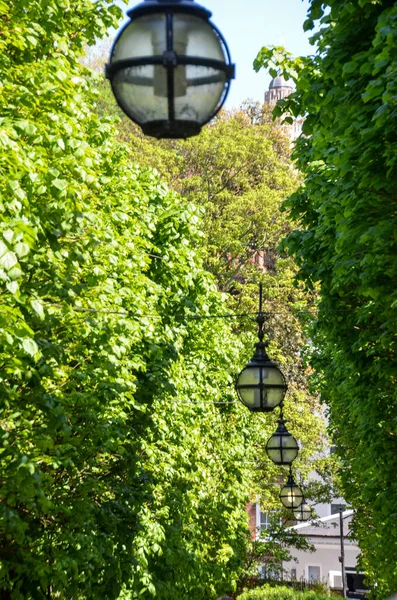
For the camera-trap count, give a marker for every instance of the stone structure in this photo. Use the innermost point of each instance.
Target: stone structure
(280, 88)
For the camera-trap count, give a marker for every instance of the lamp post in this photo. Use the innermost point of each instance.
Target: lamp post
(170, 68)
(261, 385)
(342, 550)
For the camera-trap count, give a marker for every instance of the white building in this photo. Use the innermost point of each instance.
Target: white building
(323, 565)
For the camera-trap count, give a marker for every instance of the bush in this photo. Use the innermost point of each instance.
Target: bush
(281, 593)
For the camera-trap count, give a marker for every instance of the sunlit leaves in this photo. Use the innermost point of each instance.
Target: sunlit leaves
(118, 473)
(346, 212)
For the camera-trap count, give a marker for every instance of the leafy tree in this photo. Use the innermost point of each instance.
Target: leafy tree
(118, 473)
(238, 171)
(345, 245)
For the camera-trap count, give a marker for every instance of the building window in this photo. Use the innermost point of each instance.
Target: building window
(313, 574)
(270, 571)
(335, 508)
(293, 574)
(268, 520)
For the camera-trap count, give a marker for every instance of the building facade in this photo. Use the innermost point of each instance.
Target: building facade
(324, 564)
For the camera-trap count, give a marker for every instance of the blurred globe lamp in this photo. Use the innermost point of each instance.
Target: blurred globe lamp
(304, 512)
(170, 68)
(291, 495)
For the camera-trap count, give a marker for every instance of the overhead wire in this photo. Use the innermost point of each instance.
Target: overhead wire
(192, 316)
(196, 317)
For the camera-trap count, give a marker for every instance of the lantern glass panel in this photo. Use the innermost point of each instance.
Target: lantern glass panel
(134, 87)
(145, 36)
(249, 376)
(291, 496)
(195, 37)
(198, 91)
(303, 513)
(282, 449)
(257, 397)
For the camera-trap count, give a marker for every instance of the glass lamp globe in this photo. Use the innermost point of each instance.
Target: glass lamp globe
(282, 448)
(291, 495)
(304, 512)
(261, 385)
(170, 68)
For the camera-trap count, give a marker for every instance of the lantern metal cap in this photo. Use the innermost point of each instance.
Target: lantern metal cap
(261, 357)
(291, 480)
(182, 6)
(176, 129)
(281, 428)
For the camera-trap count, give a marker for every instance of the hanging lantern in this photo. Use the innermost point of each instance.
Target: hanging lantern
(170, 68)
(261, 385)
(304, 512)
(282, 448)
(291, 495)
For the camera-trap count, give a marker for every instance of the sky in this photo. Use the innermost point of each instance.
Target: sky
(247, 25)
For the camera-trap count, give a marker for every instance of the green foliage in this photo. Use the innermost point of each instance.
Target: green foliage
(346, 245)
(272, 551)
(238, 171)
(279, 592)
(119, 476)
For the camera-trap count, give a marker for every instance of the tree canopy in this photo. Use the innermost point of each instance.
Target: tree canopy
(119, 473)
(238, 172)
(125, 458)
(345, 243)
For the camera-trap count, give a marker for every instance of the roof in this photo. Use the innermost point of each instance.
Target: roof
(326, 526)
(280, 82)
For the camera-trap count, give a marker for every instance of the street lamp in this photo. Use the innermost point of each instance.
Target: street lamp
(261, 385)
(304, 512)
(282, 448)
(170, 68)
(291, 495)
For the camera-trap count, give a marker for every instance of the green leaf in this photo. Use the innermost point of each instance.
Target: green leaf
(12, 287)
(38, 308)
(8, 260)
(30, 346)
(60, 184)
(22, 249)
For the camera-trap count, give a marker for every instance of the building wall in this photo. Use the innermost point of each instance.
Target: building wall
(275, 94)
(252, 515)
(326, 557)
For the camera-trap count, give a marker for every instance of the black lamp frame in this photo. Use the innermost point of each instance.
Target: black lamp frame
(261, 359)
(281, 432)
(292, 485)
(172, 128)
